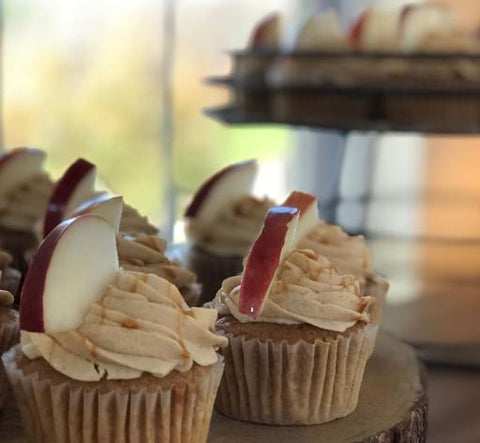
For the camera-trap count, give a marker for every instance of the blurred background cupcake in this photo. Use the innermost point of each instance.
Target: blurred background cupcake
(24, 191)
(223, 220)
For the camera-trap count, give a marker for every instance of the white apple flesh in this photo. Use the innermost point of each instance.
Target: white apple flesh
(76, 186)
(70, 270)
(18, 166)
(105, 206)
(275, 242)
(419, 21)
(229, 184)
(308, 211)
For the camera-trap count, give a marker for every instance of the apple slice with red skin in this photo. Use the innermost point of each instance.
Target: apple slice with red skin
(356, 29)
(75, 187)
(70, 270)
(108, 207)
(308, 209)
(266, 34)
(419, 20)
(276, 240)
(18, 166)
(227, 185)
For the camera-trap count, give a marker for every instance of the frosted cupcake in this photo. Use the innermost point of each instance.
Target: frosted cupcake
(76, 188)
(300, 333)
(146, 253)
(109, 355)
(9, 336)
(223, 221)
(24, 192)
(141, 252)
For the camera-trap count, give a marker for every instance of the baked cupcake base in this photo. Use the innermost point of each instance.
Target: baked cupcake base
(291, 374)
(54, 408)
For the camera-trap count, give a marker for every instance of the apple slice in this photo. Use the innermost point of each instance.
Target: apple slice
(108, 207)
(266, 34)
(375, 31)
(321, 31)
(70, 270)
(229, 184)
(419, 21)
(76, 186)
(276, 240)
(18, 166)
(308, 210)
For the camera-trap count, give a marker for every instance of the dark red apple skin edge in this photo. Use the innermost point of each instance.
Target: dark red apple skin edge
(300, 200)
(31, 297)
(356, 29)
(257, 34)
(62, 193)
(260, 269)
(204, 190)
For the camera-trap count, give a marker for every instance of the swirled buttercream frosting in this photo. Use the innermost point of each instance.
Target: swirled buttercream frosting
(25, 205)
(132, 222)
(307, 290)
(146, 253)
(233, 230)
(349, 254)
(141, 325)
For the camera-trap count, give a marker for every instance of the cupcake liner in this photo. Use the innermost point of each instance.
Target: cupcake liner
(211, 270)
(9, 336)
(62, 412)
(299, 383)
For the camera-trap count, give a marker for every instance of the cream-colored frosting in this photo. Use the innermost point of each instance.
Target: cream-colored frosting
(23, 206)
(349, 254)
(146, 253)
(234, 229)
(132, 222)
(307, 289)
(142, 324)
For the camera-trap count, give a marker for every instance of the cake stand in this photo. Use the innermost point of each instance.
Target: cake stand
(392, 407)
(444, 329)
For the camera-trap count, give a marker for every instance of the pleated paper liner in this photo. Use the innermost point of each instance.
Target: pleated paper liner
(9, 336)
(72, 411)
(211, 270)
(298, 383)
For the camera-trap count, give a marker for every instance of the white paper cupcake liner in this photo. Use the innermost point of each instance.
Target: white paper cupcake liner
(65, 412)
(293, 384)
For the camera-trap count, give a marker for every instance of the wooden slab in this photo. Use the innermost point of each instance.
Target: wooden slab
(392, 407)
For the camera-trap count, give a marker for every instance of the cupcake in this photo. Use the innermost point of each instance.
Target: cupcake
(109, 355)
(222, 221)
(25, 189)
(76, 188)
(9, 335)
(141, 252)
(300, 333)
